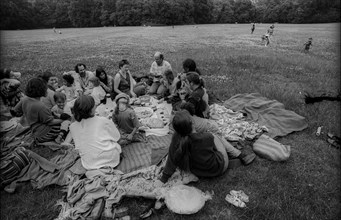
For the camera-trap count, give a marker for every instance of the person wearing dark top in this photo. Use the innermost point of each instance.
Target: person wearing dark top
(203, 154)
(196, 96)
(253, 28)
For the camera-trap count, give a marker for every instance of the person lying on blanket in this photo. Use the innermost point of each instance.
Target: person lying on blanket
(203, 154)
(95, 137)
(38, 116)
(127, 122)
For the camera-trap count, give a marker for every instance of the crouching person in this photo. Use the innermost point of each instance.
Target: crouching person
(203, 154)
(95, 137)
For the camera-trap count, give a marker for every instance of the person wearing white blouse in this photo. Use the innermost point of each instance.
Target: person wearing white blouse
(95, 137)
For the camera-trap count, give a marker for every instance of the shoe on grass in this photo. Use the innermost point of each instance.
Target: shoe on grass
(240, 195)
(247, 158)
(235, 201)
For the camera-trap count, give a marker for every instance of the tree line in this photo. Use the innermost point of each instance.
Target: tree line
(32, 14)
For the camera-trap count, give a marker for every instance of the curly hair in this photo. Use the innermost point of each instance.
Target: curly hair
(83, 106)
(36, 88)
(69, 79)
(77, 65)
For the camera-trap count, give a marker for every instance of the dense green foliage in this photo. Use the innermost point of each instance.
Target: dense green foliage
(27, 14)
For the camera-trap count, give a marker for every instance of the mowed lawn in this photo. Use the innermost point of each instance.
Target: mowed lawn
(233, 61)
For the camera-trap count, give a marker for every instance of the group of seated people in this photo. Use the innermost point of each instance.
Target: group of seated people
(56, 113)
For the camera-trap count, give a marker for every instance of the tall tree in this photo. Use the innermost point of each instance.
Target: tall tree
(202, 11)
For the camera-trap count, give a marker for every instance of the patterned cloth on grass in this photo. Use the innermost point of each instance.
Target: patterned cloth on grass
(268, 113)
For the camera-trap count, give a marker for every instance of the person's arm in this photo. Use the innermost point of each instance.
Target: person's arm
(105, 87)
(117, 83)
(55, 122)
(168, 170)
(131, 85)
(136, 124)
(152, 70)
(60, 89)
(17, 110)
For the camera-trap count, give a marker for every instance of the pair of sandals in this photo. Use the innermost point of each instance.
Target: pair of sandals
(237, 198)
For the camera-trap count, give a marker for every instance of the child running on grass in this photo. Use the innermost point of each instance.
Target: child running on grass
(68, 88)
(43, 125)
(127, 122)
(308, 44)
(62, 110)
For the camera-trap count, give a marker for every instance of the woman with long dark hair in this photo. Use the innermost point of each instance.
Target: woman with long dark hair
(203, 154)
(106, 80)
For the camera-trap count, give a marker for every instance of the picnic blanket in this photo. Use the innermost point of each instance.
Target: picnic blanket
(139, 155)
(269, 113)
(86, 197)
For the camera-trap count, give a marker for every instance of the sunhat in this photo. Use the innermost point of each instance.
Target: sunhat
(121, 95)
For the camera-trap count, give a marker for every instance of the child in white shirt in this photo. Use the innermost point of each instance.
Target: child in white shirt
(97, 92)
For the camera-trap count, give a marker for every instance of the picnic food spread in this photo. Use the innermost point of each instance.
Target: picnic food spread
(143, 112)
(153, 122)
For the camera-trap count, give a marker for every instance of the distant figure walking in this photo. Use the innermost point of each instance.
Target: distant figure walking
(308, 44)
(253, 28)
(54, 30)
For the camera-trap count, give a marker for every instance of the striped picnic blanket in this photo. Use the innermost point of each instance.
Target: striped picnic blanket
(139, 155)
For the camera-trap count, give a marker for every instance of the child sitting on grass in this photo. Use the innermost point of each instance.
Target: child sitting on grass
(62, 110)
(68, 88)
(126, 120)
(38, 116)
(97, 92)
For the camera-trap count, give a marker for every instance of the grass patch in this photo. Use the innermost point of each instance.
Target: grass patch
(233, 61)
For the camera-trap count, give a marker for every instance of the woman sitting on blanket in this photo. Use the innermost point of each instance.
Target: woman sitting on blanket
(95, 137)
(197, 94)
(38, 116)
(106, 81)
(203, 154)
(52, 85)
(127, 122)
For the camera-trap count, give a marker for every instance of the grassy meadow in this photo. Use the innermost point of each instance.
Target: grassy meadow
(233, 61)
